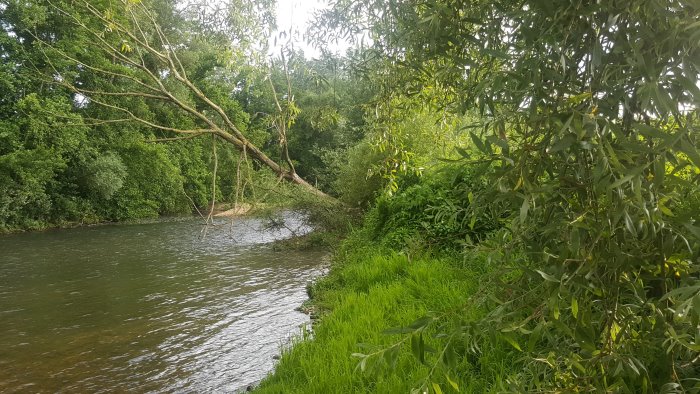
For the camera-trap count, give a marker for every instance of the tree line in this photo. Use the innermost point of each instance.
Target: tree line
(115, 110)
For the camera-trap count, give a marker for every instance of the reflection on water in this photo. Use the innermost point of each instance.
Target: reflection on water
(148, 307)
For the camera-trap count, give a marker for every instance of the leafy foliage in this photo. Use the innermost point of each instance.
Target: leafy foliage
(106, 175)
(575, 168)
(589, 122)
(70, 98)
(436, 210)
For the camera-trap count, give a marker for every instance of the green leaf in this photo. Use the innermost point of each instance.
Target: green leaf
(421, 323)
(653, 132)
(612, 154)
(510, 338)
(664, 103)
(494, 53)
(683, 293)
(362, 365)
(661, 204)
(596, 55)
(462, 152)
(564, 143)
(579, 98)
(524, 209)
(478, 143)
(535, 336)
(452, 383)
(498, 141)
(632, 174)
(629, 224)
(418, 347)
(578, 366)
(614, 331)
(696, 310)
(574, 307)
(689, 85)
(391, 356)
(693, 229)
(437, 388)
(449, 357)
(659, 171)
(548, 277)
(398, 330)
(687, 148)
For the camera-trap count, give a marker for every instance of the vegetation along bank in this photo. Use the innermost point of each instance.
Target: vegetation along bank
(527, 173)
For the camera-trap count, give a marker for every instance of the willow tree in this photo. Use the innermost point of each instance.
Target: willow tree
(143, 55)
(589, 126)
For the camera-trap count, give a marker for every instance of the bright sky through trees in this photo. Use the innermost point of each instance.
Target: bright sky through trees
(295, 15)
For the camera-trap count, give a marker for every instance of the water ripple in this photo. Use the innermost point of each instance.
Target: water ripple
(150, 307)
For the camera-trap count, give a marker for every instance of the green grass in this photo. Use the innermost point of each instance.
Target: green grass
(369, 290)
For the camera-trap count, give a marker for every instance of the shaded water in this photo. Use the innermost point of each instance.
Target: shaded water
(148, 307)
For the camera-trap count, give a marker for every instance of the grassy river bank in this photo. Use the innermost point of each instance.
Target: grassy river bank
(370, 289)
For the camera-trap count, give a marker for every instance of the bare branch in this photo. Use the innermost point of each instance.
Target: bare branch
(149, 40)
(189, 137)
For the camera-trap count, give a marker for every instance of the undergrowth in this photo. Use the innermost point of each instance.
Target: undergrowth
(371, 290)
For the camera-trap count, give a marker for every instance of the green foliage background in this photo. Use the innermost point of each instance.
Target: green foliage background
(68, 158)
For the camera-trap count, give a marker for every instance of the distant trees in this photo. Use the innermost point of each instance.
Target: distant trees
(147, 63)
(91, 89)
(58, 162)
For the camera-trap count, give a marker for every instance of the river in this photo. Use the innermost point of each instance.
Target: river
(149, 307)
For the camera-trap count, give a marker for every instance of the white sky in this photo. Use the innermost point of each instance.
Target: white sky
(296, 14)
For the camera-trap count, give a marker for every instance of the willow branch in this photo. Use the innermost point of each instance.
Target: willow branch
(106, 46)
(289, 104)
(122, 29)
(87, 66)
(235, 135)
(166, 44)
(189, 137)
(210, 217)
(141, 30)
(282, 118)
(148, 123)
(91, 93)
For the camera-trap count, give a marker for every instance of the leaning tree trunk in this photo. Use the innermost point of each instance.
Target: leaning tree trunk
(262, 158)
(146, 61)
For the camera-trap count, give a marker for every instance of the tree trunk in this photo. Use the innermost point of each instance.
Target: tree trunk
(265, 160)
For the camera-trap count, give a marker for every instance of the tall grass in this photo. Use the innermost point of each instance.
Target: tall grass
(371, 289)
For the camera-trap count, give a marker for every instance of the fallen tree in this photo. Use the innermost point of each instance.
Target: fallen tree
(145, 65)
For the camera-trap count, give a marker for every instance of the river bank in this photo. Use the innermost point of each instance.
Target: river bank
(221, 211)
(371, 289)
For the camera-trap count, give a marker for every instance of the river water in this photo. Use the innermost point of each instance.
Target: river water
(149, 307)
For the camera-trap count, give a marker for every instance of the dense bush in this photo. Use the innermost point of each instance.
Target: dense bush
(436, 210)
(355, 184)
(105, 175)
(25, 178)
